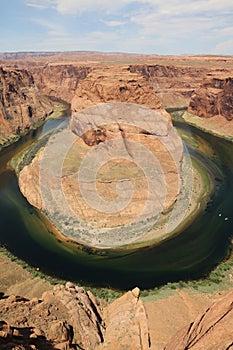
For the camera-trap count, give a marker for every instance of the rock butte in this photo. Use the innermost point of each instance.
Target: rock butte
(128, 143)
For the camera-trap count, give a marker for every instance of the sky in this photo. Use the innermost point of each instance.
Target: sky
(145, 26)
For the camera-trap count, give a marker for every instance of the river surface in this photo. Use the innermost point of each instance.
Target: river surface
(190, 254)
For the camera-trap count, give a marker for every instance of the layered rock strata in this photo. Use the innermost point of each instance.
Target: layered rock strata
(173, 85)
(113, 84)
(213, 98)
(60, 80)
(21, 104)
(211, 330)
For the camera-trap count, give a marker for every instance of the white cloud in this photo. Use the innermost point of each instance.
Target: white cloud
(224, 48)
(75, 7)
(161, 8)
(53, 29)
(147, 25)
(42, 4)
(114, 23)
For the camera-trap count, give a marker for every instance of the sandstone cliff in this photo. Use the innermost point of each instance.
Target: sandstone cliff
(21, 105)
(60, 80)
(114, 83)
(213, 98)
(212, 330)
(68, 318)
(173, 85)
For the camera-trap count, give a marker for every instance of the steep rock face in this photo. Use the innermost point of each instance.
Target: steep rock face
(21, 105)
(113, 84)
(68, 317)
(60, 80)
(210, 331)
(127, 324)
(173, 85)
(215, 97)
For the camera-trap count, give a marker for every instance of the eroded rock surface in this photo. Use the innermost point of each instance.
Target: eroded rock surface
(114, 84)
(127, 324)
(213, 98)
(21, 105)
(60, 80)
(121, 145)
(173, 85)
(212, 330)
(68, 317)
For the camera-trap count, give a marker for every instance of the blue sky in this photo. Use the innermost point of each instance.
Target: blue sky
(143, 26)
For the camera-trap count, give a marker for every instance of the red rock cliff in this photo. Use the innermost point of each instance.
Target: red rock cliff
(214, 97)
(173, 85)
(211, 330)
(114, 83)
(60, 80)
(21, 105)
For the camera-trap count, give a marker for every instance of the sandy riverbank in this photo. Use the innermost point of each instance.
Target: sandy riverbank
(217, 125)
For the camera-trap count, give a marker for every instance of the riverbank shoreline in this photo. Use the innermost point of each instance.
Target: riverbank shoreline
(57, 113)
(218, 126)
(201, 190)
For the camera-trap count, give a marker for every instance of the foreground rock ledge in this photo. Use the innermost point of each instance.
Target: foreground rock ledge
(68, 317)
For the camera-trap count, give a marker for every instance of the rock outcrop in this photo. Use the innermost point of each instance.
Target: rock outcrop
(213, 98)
(127, 325)
(59, 80)
(114, 84)
(210, 331)
(21, 105)
(173, 85)
(68, 317)
(118, 148)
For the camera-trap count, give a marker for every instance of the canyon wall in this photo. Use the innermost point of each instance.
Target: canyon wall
(59, 80)
(174, 85)
(114, 83)
(24, 91)
(21, 104)
(213, 98)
